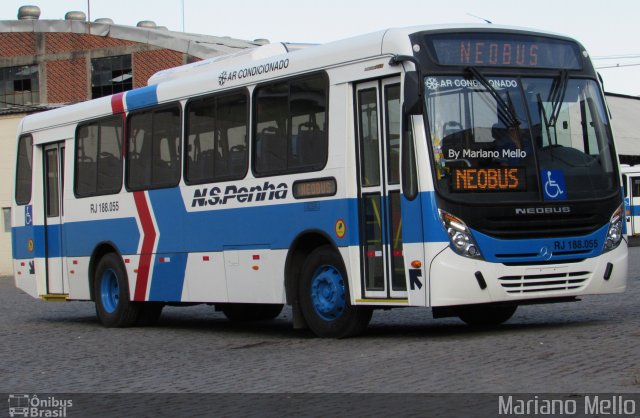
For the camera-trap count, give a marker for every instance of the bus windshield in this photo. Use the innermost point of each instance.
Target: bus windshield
(525, 139)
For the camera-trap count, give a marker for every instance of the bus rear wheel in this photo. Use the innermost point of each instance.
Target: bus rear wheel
(111, 290)
(324, 297)
(486, 315)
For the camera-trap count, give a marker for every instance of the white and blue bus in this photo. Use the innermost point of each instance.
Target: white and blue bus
(466, 169)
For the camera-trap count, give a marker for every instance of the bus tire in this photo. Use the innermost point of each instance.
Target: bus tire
(324, 297)
(486, 315)
(111, 289)
(247, 312)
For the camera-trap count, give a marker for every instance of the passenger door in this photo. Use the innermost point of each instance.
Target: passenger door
(54, 218)
(634, 205)
(378, 111)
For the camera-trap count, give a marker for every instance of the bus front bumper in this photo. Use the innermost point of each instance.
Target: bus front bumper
(457, 280)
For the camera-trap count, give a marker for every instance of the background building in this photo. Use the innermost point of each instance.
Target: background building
(51, 63)
(625, 112)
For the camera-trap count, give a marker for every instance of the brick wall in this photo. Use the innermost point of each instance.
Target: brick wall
(147, 63)
(68, 42)
(17, 44)
(67, 81)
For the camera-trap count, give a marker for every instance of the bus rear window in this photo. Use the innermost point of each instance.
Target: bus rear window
(23, 170)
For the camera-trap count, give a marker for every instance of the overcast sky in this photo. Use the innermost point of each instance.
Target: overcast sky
(610, 30)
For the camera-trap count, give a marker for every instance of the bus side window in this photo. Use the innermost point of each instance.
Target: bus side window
(153, 148)
(98, 154)
(291, 126)
(23, 170)
(635, 187)
(217, 138)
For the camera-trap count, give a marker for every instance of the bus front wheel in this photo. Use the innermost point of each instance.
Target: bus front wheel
(324, 297)
(111, 290)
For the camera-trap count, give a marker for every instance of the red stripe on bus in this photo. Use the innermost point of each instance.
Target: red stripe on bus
(148, 240)
(117, 104)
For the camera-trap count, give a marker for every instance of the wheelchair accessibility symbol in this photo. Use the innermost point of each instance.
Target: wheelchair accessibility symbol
(28, 218)
(554, 186)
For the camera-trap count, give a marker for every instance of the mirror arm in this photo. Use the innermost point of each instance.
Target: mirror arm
(412, 98)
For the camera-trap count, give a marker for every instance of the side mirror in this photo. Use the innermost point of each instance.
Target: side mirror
(413, 93)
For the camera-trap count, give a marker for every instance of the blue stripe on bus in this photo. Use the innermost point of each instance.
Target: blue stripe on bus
(182, 232)
(54, 240)
(633, 210)
(168, 277)
(142, 97)
(203, 231)
(432, 224)
(276, 225)
(533, 249)
(20, 241)
(80, 238)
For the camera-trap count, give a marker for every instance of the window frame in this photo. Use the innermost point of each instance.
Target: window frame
(9, 96)
(119, 117)
(254, 124)
(21, 202)
(6, 219)
(153, 109)
(185, 135)
(122, 85)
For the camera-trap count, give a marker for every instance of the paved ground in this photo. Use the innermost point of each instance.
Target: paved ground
(590, 346)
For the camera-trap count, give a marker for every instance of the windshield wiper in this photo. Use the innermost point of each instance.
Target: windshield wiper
(556, 96)
(505, 112)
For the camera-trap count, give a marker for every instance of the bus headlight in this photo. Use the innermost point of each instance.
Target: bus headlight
(460, 237)
(614, 234)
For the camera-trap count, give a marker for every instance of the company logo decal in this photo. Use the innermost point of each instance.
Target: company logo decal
(215, 196)
(341, 228)
(543, 210)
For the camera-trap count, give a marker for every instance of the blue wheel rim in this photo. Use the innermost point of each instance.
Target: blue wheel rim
(109, 291)
(328, 294)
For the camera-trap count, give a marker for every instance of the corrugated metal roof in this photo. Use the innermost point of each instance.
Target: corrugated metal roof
(16, 110)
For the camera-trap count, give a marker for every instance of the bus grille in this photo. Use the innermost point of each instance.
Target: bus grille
(535, 227)
(544, 282)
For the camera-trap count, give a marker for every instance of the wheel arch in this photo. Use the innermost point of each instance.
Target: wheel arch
(100, 251)
(300, 248)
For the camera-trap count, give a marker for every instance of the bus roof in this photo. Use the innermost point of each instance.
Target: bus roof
(250, 67)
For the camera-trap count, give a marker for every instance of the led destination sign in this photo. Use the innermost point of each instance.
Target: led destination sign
(499, 179)
(505, 51)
